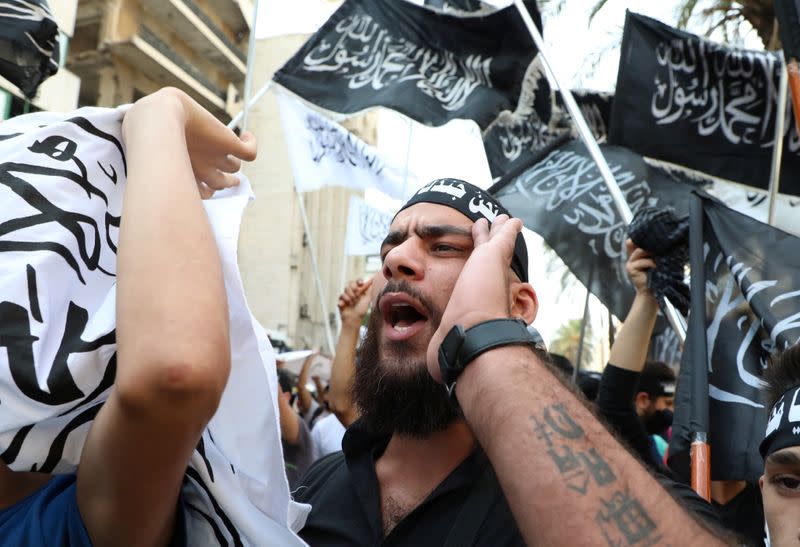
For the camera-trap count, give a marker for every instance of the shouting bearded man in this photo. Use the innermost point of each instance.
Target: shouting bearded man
(424, 465)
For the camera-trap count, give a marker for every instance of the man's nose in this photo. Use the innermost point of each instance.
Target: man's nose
(404, 261)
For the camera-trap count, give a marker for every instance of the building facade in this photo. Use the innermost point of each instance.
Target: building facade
(274, 251)
(125, 49)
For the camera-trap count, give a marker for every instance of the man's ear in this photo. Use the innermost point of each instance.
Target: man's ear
(642, 400)
(524, 302)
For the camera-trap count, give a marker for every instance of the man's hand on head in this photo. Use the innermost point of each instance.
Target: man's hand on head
(482, 290)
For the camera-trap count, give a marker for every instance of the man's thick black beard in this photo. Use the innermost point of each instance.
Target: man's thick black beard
(398, 397)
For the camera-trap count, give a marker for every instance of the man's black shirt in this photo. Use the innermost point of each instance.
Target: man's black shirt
(343, 491)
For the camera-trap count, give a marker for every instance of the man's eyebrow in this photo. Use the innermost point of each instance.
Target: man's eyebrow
(784, 457)
(429, 231)
(395, 237)
(439, 230)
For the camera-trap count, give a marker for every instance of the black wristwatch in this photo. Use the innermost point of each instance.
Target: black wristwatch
(460, 347)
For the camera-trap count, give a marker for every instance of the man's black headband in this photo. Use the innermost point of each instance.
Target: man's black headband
(473, 203)
(783, 426)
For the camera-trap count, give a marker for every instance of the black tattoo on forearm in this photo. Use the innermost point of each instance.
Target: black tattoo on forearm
(624, 521)
(622, 518)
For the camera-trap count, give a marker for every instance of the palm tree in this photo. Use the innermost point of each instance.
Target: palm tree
(567, 340)
(726, 16)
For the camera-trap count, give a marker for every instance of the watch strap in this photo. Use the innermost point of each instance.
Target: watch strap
(461, 347)
(492, 334)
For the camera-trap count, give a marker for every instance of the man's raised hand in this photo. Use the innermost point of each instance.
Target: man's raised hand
(482, 290)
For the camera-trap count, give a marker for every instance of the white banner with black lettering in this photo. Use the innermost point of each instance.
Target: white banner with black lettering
(62, 179)
(323, 153)
(366, 228)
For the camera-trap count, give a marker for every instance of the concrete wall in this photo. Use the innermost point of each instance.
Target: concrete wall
(276, 267)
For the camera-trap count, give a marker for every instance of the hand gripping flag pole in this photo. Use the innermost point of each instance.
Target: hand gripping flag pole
(585, 133)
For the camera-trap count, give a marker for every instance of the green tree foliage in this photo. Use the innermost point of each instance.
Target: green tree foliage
(567, 340)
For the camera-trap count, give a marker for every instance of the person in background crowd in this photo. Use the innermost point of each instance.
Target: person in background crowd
(639, 405)
(311, 407)
(424, 465)
(171, 367)
(655, 403)
(298, 447)
(780, 483)
(353, 306)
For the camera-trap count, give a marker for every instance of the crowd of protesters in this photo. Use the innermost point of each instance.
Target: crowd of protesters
(506, 452)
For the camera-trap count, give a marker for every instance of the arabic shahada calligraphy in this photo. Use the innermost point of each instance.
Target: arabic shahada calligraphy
(331, 141)
(368, 54)
(717, 89)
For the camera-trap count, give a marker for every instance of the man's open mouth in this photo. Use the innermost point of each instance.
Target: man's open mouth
(403, 316)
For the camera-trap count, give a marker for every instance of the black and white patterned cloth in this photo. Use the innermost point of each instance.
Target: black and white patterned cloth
(62, 178)
(665, 235)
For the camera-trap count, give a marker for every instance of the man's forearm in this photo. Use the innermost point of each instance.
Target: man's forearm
(567, 480)
(630, 347)
(342, 372)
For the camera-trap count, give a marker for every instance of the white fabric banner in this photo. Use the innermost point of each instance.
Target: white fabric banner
(62, 178)
(366, 228)
(323, 153)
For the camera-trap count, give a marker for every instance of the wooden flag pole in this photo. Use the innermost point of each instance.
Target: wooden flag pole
(777, 145)
(794, 84)
(700, 453)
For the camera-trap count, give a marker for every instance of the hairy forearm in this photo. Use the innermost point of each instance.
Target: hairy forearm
(567, 480)
(342, 373)
(630, 346)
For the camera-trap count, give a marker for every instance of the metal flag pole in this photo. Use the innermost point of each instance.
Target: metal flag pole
(589, 141)
(777, 145)
(251, 55)
(250, 104)
(576, 366)
(318, 281)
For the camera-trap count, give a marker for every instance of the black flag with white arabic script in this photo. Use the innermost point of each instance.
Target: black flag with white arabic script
(564, 199)
(541, 123)
(28, 44)
(515, 139)
(595, 107)
(687, 100)
(428, 65)
(745, 305)
(457, 5)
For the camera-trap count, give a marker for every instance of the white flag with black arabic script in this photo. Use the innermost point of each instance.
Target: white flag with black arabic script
(367, 226)
(323, 153)
(62, 178)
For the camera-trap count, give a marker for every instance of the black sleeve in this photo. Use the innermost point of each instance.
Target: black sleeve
(615, 403)
(693, 503)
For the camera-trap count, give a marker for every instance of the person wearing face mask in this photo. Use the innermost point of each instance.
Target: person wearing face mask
(634, 396)
(636, 399)
(655, 404)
